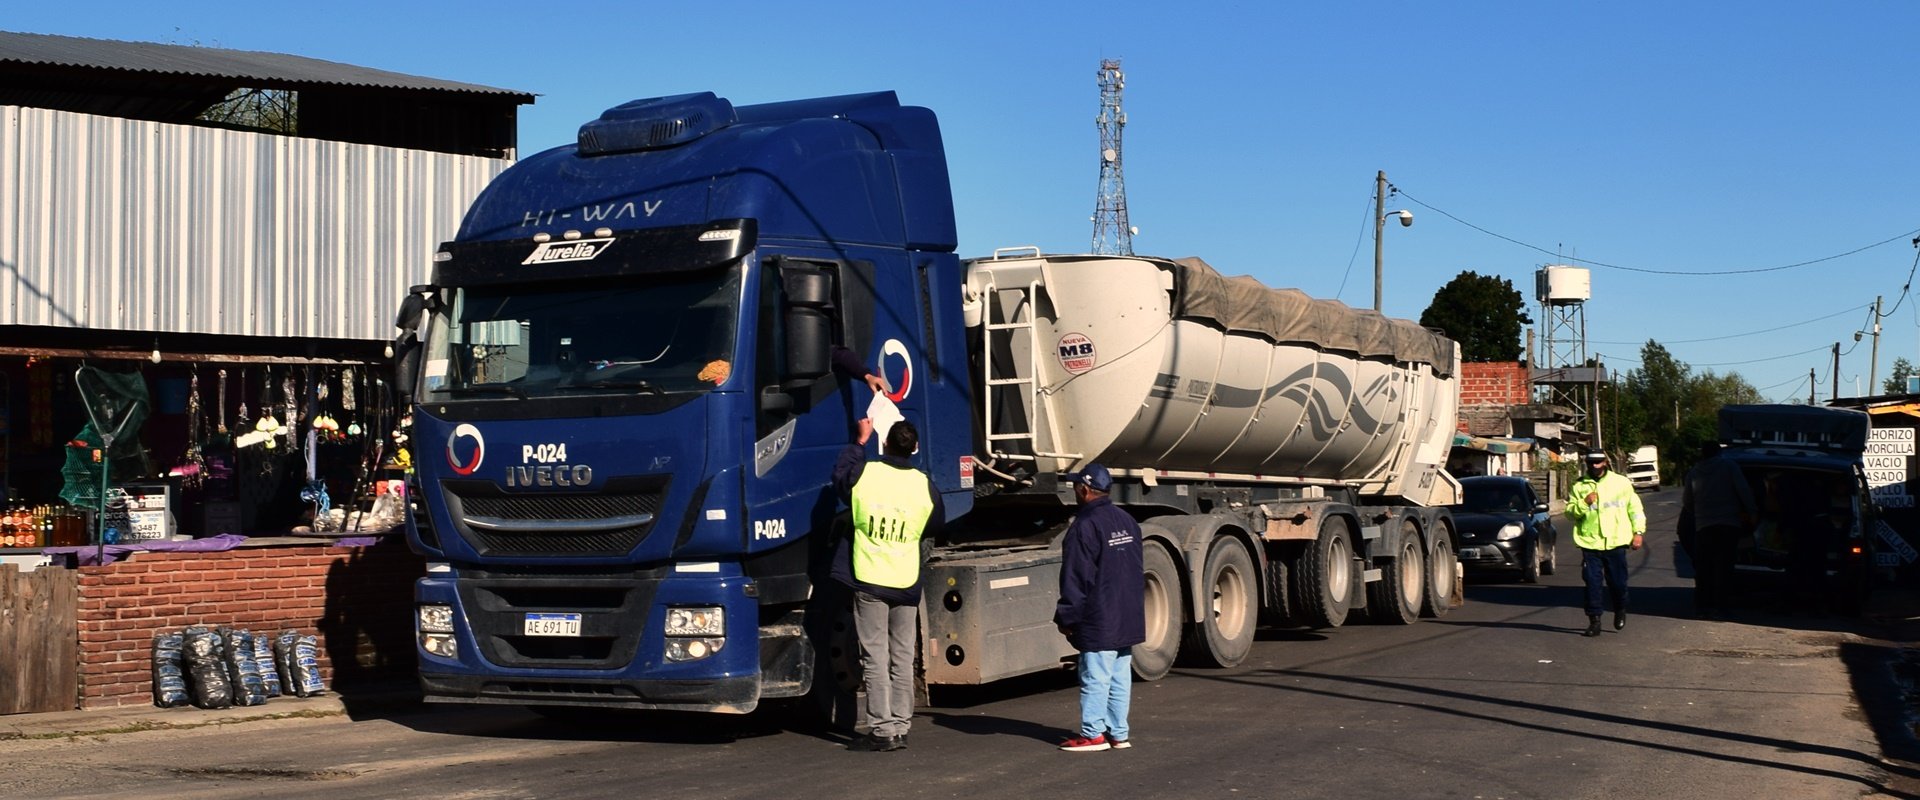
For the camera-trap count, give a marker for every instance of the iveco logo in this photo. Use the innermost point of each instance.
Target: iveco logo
(576, 250)
(465, 466)
(563, 475)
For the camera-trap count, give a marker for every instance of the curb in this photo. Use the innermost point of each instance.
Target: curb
(135, 719)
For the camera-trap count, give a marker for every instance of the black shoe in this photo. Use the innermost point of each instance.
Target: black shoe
(1593, 626)
(897, 742)
(869, 743)
(1619, 620)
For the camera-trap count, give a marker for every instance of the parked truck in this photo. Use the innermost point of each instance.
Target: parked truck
(1811, 540)
(1643, 468)
(626, 417)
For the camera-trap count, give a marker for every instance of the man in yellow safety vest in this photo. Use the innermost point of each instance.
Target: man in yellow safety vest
(893, 506)
(1607, 521)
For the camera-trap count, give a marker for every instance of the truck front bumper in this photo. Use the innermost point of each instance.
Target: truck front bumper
(735, 695)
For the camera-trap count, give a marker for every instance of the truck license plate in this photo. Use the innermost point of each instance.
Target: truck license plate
(553, 625)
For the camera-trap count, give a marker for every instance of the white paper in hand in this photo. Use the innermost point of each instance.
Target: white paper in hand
(883, 413)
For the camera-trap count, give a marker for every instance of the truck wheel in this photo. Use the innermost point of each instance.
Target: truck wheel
(1326, 575)
(1153, 658)
(1442, 570)
(1228, 588)
(1396, 598)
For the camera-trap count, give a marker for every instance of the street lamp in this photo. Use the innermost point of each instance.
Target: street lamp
(1380, 215)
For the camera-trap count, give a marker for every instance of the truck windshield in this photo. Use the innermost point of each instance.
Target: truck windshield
(654, 333)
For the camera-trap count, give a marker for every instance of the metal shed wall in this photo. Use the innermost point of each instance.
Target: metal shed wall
(119, 224)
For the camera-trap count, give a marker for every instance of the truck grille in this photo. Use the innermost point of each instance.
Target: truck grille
(613, 607)
(636, 498)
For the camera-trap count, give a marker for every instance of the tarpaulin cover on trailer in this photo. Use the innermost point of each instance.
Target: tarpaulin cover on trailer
(1289, 316)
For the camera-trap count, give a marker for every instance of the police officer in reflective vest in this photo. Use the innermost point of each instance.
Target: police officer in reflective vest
(1607, 520)
(893, 507)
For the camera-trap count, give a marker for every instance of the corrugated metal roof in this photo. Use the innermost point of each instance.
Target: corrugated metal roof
(245, 65)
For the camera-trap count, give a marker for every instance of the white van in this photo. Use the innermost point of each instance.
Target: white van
(1643, 468)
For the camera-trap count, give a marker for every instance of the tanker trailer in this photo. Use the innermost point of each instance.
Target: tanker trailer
(1282, 453)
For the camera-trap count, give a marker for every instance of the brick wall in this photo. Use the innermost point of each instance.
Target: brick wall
(358, 600)
(1494, 383)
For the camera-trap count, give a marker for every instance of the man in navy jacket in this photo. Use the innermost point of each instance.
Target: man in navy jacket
(1101, 609)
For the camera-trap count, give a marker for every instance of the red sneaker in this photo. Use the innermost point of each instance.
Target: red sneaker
(1082, 744)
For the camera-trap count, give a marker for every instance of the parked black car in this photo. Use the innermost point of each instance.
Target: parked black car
(1504, 525)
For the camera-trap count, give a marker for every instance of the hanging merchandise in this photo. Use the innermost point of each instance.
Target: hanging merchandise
(221, 436)
(267, 428)
(240, 421)
(193, 463)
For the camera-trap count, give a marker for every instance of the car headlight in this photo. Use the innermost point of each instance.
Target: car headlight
(693, 649)
(1509, 531)
(435, 618)
(702, 621)
(443, 645)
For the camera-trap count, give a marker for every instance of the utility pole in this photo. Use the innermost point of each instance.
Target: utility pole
(1836, 372)
(1873, 363)
(1812, 385)
(1379, 233)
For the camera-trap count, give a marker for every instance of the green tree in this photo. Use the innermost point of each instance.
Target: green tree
(1896, 382)
(1484, 313)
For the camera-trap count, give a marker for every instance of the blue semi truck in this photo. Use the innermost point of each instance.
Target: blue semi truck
(625, 417)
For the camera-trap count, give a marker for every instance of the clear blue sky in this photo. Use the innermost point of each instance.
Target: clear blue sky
(1685, 137)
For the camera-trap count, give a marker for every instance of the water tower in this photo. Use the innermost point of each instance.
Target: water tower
(1568, 379)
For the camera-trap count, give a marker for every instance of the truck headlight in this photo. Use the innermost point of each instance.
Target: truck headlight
(443, 645)
(1509, 532)
(693, 649)
(435, 618)
(702, 621)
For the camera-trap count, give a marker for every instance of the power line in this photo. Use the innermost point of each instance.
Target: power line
(1748, 333)
(1558, 256)
(1604, 357)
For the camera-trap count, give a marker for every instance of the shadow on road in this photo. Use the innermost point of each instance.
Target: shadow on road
(1500, 711)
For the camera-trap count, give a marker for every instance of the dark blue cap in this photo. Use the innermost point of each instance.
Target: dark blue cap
(1094, 477)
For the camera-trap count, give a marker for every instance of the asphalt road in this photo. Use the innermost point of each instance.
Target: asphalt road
(1502, 698)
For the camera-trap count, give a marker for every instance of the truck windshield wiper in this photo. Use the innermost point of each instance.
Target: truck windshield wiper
(487, 388)
(608, 384)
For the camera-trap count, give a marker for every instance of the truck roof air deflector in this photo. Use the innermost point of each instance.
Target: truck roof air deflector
(654, 123)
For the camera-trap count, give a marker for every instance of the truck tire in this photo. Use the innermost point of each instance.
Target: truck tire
(1153, 658)
(1442, 571)
(1396, 598)
(1230, 592)
(1325, 587)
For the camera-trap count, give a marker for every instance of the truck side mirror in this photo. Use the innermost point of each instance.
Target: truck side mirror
(406, 363)
(411, 307)
(809, 294)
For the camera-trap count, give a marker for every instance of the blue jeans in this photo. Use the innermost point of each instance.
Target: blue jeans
(1610, 564)
(1106, 689)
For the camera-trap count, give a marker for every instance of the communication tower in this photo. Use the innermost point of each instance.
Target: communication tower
(1568, 378)
(1112, 235)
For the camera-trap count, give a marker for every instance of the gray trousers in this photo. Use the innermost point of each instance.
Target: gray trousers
(886, 661)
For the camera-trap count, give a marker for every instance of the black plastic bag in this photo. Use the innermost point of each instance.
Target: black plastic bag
(263, 661)
(306, 666)
(169, 671)
(241, 669)
(207, 680)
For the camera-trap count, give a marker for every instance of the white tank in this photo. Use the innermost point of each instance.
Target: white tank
(1168, 370)
(1560, 285)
